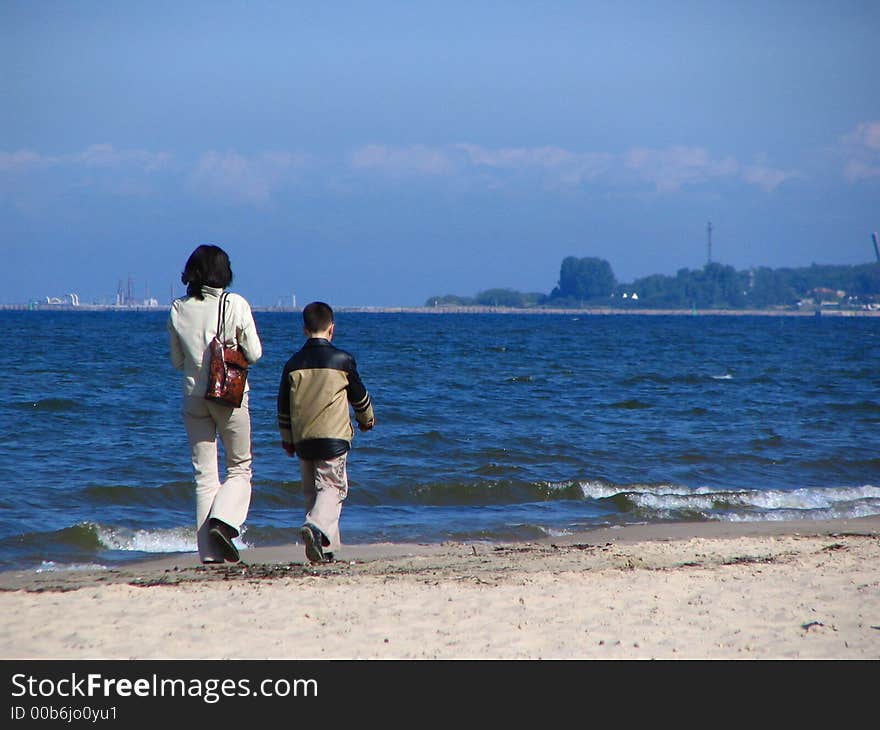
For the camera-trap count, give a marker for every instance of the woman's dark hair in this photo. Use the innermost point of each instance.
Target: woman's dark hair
(206, 266)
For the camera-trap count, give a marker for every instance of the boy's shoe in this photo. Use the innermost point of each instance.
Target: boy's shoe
(313, 539)
(222, 535)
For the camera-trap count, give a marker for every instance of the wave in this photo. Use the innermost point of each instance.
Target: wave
(630, 404)
(504, 510)
(79, 538)
(680, 379)
(93, 546)
(164, 540)
(91, 537)
(657, 503)
(481, 493)
(649, 502)
(169, 540)
(515, 532)
(772, 441)
(866, 407)
(494, 469)
(837, 464)
(49, 405)
(174, 494)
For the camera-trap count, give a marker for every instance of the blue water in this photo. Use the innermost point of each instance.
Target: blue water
(489, 426)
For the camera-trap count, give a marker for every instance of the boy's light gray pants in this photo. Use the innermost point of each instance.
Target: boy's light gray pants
(229, 500)
(325, 487)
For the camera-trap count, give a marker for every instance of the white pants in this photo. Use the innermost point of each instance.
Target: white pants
(230, 499)
(325, 487)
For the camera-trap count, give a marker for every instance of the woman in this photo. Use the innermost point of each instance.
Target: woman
(221, 507)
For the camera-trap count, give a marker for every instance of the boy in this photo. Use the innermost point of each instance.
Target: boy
(317, 386)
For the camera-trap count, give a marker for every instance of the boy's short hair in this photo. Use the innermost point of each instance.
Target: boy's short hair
(317, 316)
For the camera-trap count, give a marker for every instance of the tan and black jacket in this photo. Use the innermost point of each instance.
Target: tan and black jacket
(317, 385)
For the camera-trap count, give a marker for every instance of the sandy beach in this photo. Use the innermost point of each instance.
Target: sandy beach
(796, 590)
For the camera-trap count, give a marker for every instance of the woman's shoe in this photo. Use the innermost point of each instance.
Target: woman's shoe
(222, 535)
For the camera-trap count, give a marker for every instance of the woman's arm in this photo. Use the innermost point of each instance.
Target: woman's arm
(246, 333)
(175, 349)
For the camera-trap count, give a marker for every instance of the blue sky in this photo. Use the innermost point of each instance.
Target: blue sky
(378, 153)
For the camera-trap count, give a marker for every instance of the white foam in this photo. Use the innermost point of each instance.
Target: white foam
(809, 498)
(50, 566)
(599, 490)
(664, 500)
(672, 501)
(554, 531)
(848, 511)
(172, 540)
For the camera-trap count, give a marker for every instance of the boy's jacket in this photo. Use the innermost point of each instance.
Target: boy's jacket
(317, 385)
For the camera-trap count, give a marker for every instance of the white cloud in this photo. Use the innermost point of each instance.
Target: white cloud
(31, 179)
(230, 175)
(518, 157)
(866, 135)
(856, 170)
(106, 155)
(246, 179)
(558, 164)
(543, 164)
(861, 152)
(668, 169)
(397, 161)
(767, 178)
(673, 167)
(254, 178)
(23, 160)
(94, 156)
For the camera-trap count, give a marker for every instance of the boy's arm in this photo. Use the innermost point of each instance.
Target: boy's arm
(360, 399)
(284, 412)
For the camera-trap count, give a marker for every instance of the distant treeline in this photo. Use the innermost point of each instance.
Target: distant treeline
(591, 282)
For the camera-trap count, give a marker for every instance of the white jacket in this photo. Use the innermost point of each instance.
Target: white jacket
(192, 325)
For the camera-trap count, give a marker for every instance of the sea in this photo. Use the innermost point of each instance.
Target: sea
(490, 427)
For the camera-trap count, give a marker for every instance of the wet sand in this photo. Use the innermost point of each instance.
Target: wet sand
(773, 590)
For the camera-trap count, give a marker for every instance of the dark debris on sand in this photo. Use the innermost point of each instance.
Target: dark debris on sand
(234, 572)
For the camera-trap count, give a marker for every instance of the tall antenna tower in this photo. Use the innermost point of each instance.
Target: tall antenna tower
(709, 242)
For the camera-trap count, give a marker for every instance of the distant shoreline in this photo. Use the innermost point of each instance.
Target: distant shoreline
(598, 311)
(604, 311)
